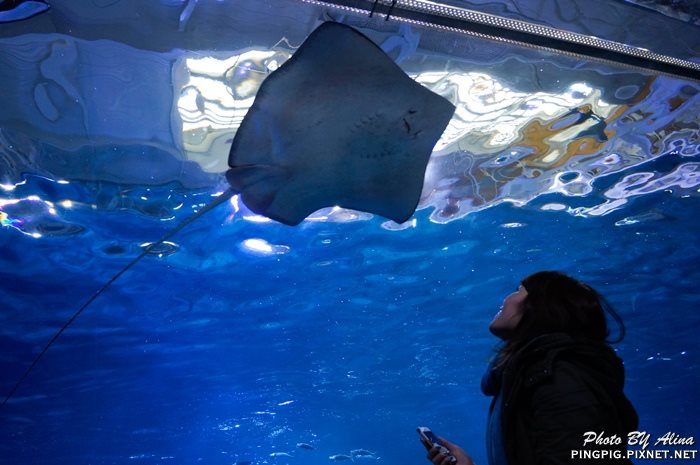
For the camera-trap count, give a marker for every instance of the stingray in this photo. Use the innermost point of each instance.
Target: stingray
(338, 124)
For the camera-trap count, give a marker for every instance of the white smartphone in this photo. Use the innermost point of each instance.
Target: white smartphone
(430, 440)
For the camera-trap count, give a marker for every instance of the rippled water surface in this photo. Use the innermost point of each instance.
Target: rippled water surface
(244, 341)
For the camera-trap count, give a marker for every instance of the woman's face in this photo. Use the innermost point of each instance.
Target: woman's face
(508, 317)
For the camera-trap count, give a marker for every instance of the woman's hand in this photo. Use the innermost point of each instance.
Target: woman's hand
(436, 455)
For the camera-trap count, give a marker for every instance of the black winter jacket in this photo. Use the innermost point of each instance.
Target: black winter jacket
(553, 391)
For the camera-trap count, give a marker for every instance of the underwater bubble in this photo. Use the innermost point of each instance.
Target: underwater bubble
(114, 249)
(626, 92)
(612, 159)
(690, 151)
(689, 90)
(55, 228)
(393, 226)
(163, 249)
(577, 188)
(262, 247)
(553, 207)
(338, 215)
(247, 75)
(642, 218)
(568, 176)
(228, 426)
(363, 454)
(155, 209)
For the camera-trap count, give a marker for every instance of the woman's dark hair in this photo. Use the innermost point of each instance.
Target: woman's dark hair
(557, 303)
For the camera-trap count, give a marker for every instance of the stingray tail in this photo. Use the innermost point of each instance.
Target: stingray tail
(208, 207)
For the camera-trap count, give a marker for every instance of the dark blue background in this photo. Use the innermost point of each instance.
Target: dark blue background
(350, 340)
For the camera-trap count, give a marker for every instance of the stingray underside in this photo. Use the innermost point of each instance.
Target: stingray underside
(338, 124)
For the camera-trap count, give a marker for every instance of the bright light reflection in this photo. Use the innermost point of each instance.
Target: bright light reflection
(215, 96)
(217, 92)
(553, 207)
(485, 108)
(263, 247)
(581, 88)
(235, 203)
(256, 219)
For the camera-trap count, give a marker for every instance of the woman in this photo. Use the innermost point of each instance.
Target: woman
(553, 379)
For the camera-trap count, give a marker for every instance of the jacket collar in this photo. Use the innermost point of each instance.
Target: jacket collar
(533, 362)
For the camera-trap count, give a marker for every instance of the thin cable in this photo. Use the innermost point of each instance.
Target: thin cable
(391, 8)
(374, 7)
(208, 207)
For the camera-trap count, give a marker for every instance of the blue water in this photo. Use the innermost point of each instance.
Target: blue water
(347, 338)
(254, 343)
